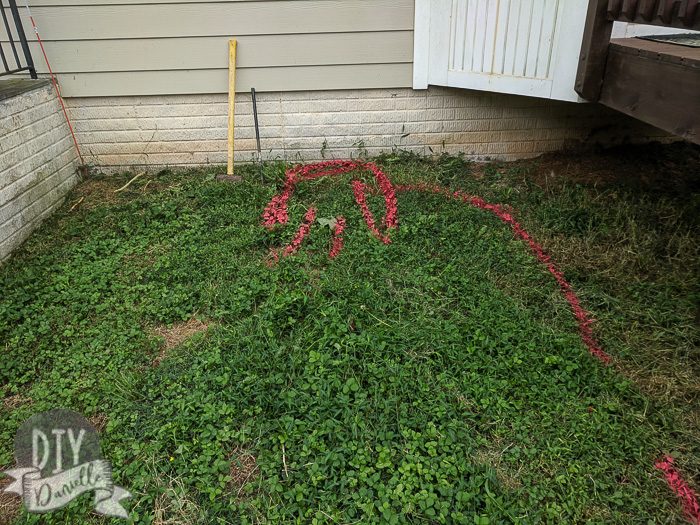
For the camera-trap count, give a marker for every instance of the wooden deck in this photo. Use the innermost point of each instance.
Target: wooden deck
(656, 82)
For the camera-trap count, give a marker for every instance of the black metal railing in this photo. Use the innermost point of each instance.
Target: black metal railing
(11, 42)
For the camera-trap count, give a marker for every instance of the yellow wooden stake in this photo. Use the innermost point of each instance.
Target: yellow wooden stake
(231, 101)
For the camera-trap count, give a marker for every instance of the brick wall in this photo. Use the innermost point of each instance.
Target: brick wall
(37, 163)
(186, 130)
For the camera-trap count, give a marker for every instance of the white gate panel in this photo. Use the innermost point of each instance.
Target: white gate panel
(526, 47)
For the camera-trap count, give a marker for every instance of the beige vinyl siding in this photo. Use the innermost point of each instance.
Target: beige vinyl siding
(158, 47)
(203, 81)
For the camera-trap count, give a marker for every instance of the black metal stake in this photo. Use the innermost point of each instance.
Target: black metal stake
(257, 131)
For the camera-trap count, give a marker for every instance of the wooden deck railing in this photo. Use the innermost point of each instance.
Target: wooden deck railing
(684, 14)
(655, 82)
(602, 14)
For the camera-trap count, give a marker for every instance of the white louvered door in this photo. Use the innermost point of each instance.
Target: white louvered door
(525, 47)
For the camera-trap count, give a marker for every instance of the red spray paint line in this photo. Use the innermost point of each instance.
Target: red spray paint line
(276, 213)
(296, 242)
(337, 243)
(359, 190)
(583, 318)
(688, 498)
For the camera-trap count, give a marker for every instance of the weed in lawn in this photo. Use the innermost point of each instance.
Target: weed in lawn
(439, 378)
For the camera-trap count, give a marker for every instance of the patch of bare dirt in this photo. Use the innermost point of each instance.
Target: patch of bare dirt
(99, 421)
(94, 192)
(176, 334)
(669, 168)
(243, 468)
(15, 401)
(10, 504)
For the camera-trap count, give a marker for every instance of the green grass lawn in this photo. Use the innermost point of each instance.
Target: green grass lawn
(437, 379)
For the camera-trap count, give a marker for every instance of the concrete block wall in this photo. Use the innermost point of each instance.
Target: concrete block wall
(37, 163)
(118, 133)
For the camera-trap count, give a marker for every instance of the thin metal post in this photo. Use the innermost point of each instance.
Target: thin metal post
(257, 131)
(255, 117)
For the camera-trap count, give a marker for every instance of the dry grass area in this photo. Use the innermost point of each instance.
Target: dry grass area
(492, 455)
(653, 166)
(15, 401)
(99, 190)
(176, 334)
(99, 421)
(10, 504)
(243, 467)
(174, 506)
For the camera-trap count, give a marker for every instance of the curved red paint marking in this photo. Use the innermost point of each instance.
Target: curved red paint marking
(299, 236)
(688, 498)
(276, 213)
(583, 318)
(359, 190)
(337, 244)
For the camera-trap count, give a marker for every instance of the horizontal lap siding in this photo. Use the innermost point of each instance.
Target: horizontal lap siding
(163, 47)
(215, 80)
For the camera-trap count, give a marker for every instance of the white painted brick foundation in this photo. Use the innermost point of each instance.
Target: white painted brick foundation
(190, 130)
(37, 163)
